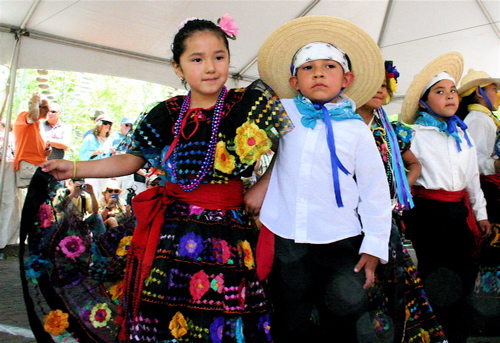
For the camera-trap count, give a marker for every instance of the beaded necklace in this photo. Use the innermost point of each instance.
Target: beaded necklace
(210, 155)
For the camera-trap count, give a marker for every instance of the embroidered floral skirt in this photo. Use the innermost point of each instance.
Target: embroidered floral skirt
(398, 304)
(202, 285)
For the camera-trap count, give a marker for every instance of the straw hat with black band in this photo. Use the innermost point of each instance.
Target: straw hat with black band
(473, 79)
(451, 63)
(278, 50)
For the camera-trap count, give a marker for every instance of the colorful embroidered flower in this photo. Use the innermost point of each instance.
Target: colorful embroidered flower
(100, 315)
(227, 24)
(199, 285)
(242, 293)
(217, 329)
(251, 142)
(178, 325)
(56, 322)
(247, 254)
(215, 215)
(265, 325)
(35, 266)
(404, 132)
(217, 283)
(195, 210)
(124, 246)
(72, 246)
(191, 245)
(224, 161)
(222, 251)
(116, 290)
(45, 216)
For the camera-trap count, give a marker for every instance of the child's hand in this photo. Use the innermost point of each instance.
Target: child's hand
(485, 226)
(369, 263)
(253, 199)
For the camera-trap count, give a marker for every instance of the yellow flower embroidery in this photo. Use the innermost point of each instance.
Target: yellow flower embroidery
(178, 325)
(100, 315)
(224, 161)
(116, 290)
(56, 322)
(246, 250)
(124, 246)
(251, 142)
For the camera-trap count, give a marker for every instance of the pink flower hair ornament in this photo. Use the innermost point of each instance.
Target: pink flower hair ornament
(226, 23)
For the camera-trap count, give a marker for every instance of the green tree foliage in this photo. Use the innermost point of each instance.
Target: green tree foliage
(81, 95)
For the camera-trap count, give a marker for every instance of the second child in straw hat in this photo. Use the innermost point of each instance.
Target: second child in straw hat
(479, 99)
(327, 201)
(444, 225)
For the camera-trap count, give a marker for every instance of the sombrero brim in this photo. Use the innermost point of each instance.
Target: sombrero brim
(451, 62)
(276, 53)
(477, 82)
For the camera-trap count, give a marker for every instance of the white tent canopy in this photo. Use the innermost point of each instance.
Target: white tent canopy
(132, 38)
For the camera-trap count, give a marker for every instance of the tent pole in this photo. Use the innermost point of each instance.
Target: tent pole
(10, 99)
(488, 16)
(12, 86)
(381, 36)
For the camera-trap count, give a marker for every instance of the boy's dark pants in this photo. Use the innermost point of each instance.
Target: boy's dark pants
(321, 276)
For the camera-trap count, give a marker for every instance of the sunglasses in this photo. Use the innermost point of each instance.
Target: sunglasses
(128, 125)
(154, 184)
(104, 122)
(53, 111)
(113, 190)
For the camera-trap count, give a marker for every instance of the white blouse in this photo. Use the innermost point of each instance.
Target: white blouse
(300, 201)
(484, 131)
(444, 167)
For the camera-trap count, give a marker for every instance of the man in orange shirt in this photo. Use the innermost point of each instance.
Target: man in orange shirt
(31, 149)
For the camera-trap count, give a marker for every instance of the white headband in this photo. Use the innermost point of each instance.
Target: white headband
(319, 51)
(439, 77)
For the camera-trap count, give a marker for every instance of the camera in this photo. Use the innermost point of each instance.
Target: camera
(83, 187)
(114, 195)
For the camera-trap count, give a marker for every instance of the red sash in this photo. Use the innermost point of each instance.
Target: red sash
(457, 196)
(493, 178)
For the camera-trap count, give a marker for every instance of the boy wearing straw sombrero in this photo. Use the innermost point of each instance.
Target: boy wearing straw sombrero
(327, 201)
(449, 217)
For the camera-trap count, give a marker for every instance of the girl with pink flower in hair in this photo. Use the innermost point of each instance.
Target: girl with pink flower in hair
(190, 273)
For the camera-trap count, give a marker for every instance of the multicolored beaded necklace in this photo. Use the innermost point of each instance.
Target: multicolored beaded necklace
(210, 155)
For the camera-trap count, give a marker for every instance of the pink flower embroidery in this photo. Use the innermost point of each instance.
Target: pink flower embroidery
(199, 285)
(217, 283)
(45, 216)
(196, 210)
(72, 246)
(226, 23)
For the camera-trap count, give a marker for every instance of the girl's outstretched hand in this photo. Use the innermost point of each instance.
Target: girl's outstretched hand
(59, 169)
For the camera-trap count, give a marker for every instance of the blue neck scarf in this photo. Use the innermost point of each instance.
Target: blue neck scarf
(448, 126)
(341, 111)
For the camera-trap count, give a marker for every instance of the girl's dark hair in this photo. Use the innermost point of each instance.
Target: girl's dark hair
(464, 104)
(191, 27)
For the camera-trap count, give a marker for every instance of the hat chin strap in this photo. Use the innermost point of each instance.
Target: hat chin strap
(485, 97)
(431, 111)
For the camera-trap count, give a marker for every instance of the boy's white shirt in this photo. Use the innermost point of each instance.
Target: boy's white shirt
(444, 167)
(483, 130)
(300, 201)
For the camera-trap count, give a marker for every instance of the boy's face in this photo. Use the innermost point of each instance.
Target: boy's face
(321, 80)
(491, 92)
(443, 98)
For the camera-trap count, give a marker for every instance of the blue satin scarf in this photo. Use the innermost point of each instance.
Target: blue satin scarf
(341, 111)
(448, 126)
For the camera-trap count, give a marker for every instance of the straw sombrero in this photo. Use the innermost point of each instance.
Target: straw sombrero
(277, 51)
(475, 78)
(451, 62)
